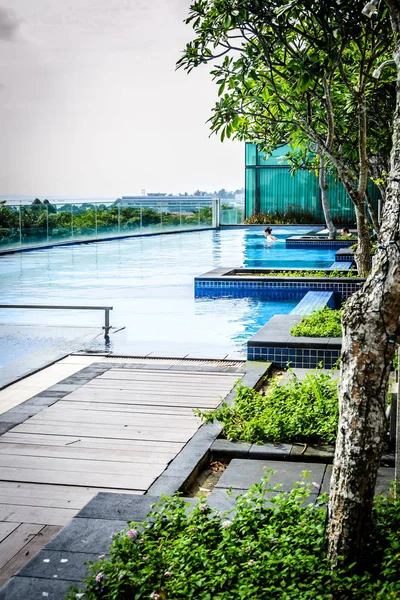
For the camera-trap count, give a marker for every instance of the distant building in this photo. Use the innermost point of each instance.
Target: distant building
(168, 203)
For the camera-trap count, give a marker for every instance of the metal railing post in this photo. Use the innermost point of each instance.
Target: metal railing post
(107, 324)
(47, 223)
(20, 226)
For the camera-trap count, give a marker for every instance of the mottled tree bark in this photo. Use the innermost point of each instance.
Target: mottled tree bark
(370, 333)
(372, 213)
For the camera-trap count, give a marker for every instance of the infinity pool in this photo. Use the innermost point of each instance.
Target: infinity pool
(149, 282)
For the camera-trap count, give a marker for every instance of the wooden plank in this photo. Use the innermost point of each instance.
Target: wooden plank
(79, 453)
(185, 377)
(36, 515)
(76, 503)
(6, 529)
(44, 490)
(92, 442)
(113, 431)
(164, 388)
(79, 466)
(26, 553)
(141, 384)
(17, 540)
(127, 408)
(127, 482)
(175, 373)
(145, 399)
(139, 420)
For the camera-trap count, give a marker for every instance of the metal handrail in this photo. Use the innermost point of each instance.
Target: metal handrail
(106, 309)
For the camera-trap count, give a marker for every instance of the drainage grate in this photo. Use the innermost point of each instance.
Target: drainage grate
(173, 361)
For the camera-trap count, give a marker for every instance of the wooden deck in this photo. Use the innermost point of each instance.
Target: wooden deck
(116, 433)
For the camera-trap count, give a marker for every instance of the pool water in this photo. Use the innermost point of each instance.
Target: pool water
(149, 282)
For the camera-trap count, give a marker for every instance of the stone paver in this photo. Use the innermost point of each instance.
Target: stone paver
(241, 474)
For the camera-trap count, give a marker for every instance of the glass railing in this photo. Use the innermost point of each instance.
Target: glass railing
(41, 224)
(231, 216)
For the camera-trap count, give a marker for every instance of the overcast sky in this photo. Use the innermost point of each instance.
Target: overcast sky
(91, 105)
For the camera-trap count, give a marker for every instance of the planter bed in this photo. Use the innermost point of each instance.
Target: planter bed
(301, 241)
(271, 284)
(274, 343)
(344, 255)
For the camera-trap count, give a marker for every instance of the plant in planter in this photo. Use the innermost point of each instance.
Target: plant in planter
(297, 411)
(324, 322)
(271, 547)
(307, 273)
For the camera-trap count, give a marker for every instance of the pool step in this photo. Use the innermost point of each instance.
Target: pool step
(340, 266)
(314, 301)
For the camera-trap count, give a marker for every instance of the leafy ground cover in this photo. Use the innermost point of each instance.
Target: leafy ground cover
(296, 411)
(271, 548)
(324, 322)
(336, 273)
(291, 216)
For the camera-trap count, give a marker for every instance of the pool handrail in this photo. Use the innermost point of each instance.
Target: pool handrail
(106, 309)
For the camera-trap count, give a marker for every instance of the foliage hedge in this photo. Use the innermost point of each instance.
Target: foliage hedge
(336, 273)
(296, 411)
(270, 548)
(320, 323)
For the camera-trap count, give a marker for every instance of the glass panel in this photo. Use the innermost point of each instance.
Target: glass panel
(190, 216)
(289, 196)
(107, 219)
(231, 216)
(251, 154)
(60, 222)
(171, 217)
(151, 217)
(130, 219)
(34, 222)
(250, 191)
(9, 226)
(273, 159)
(84, 220)
(205, 215)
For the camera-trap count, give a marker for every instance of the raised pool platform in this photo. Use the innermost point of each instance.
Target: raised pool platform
(303, 241)
(275, 344)
(254, 283)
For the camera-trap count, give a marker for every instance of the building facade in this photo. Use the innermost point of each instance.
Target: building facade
(271, 188)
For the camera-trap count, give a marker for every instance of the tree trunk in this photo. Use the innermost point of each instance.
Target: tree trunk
(370, 333)
(363, 253)
(372, 213)
(324, 198)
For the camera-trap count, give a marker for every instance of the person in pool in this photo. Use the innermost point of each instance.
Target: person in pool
(345, 232)
(269, 236)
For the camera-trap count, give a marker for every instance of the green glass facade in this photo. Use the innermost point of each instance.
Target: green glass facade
(270, 188)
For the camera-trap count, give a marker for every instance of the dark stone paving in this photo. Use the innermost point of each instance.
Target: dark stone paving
(53, 564)
(242, 474)
(124, 507)
(34, 588)
(86, 535)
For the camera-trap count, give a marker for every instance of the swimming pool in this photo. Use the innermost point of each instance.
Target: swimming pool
(149, 281)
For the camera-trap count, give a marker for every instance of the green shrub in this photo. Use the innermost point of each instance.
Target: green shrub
(320, 323)
(272, 548)
(292, 215)
(337, 273)
(301, 411)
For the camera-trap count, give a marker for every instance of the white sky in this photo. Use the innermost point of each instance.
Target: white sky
(91, 105)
